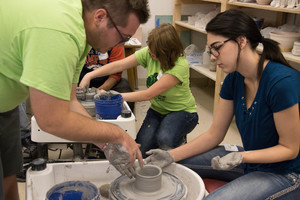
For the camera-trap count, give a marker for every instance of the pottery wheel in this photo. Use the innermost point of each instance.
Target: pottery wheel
(171, 188)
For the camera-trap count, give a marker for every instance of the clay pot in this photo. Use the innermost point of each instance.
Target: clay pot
(148, 178)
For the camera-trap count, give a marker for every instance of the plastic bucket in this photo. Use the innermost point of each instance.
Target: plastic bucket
(73, 190)
(109, 107)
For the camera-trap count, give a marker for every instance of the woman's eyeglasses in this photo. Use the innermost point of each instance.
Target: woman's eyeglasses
(123, 39)
(215, 47)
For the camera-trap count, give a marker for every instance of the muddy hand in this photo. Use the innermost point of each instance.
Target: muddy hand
(119, 157)
(85, 82)
(227, 162)
(158, 157)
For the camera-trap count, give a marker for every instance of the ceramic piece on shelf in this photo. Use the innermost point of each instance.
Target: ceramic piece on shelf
(296, 48)
(273, 3)
(263, 2)
(285, 39)
(192, 20)
(277, 4)
(291, 3)
(283, 3)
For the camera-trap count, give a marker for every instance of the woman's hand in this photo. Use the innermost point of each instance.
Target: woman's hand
(159, 158)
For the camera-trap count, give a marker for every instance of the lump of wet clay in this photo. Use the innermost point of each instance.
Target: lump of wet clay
(104, 190)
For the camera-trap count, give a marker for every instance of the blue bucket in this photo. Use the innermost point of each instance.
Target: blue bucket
(109, 107)
(73, 190)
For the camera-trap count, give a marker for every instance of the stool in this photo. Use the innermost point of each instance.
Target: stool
(213, 184)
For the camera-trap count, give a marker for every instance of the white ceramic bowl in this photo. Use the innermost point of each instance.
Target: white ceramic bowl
(263, 2)
(285, 39)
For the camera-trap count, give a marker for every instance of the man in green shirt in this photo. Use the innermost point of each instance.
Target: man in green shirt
(43, 48)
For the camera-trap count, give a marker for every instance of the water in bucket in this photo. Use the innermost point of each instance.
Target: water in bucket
(73, 190)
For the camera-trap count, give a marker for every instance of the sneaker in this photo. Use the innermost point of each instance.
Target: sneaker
(21, 176)
(30, 151)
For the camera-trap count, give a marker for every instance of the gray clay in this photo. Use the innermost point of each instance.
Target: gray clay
(104, 190)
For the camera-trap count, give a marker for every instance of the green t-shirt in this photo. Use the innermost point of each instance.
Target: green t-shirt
(43, 45)
(179, 97)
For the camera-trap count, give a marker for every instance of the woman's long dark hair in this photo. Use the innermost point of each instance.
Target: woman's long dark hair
(235, 23)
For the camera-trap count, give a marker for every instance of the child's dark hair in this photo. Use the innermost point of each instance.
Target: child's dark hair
(235, 23)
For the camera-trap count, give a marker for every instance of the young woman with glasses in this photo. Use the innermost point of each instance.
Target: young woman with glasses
(262, 91)
(173, 113)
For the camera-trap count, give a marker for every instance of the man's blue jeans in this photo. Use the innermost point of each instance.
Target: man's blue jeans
(25, 129)
(165, 131)
(252, 186)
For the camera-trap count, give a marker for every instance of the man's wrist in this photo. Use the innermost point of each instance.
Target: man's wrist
(102, 146)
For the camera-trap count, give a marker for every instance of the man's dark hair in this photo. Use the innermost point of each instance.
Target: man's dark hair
(119, 10)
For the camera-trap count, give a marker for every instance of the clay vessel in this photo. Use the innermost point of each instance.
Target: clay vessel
(148, 178)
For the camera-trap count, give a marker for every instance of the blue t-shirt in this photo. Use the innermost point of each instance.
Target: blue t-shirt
(279, 89)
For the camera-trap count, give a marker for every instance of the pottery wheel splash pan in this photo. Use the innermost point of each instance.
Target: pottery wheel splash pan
(172, 188)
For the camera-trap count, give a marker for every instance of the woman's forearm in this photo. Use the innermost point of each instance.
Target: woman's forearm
(273, 154)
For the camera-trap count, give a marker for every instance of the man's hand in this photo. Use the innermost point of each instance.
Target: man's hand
(119, 157)
(158, 157)
(227, 162)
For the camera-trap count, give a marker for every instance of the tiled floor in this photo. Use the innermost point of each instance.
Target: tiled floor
(204, 99)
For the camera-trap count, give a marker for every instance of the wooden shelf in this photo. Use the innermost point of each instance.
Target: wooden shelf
(218, 76)
(195, 1)
(204, 71)
(265, 7)
(188, 26)
(287, 55)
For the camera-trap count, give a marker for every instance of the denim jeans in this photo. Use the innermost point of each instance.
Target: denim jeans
(25, 129)
(252, 186)
(165, 131)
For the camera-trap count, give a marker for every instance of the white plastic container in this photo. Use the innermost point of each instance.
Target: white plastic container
(206, 57)
(99, 173)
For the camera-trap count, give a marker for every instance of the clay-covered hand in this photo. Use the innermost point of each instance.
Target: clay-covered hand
(113, 93)
(158, 157)
(85, 82)
(227, 162)
(106, 94)
(119, 157)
